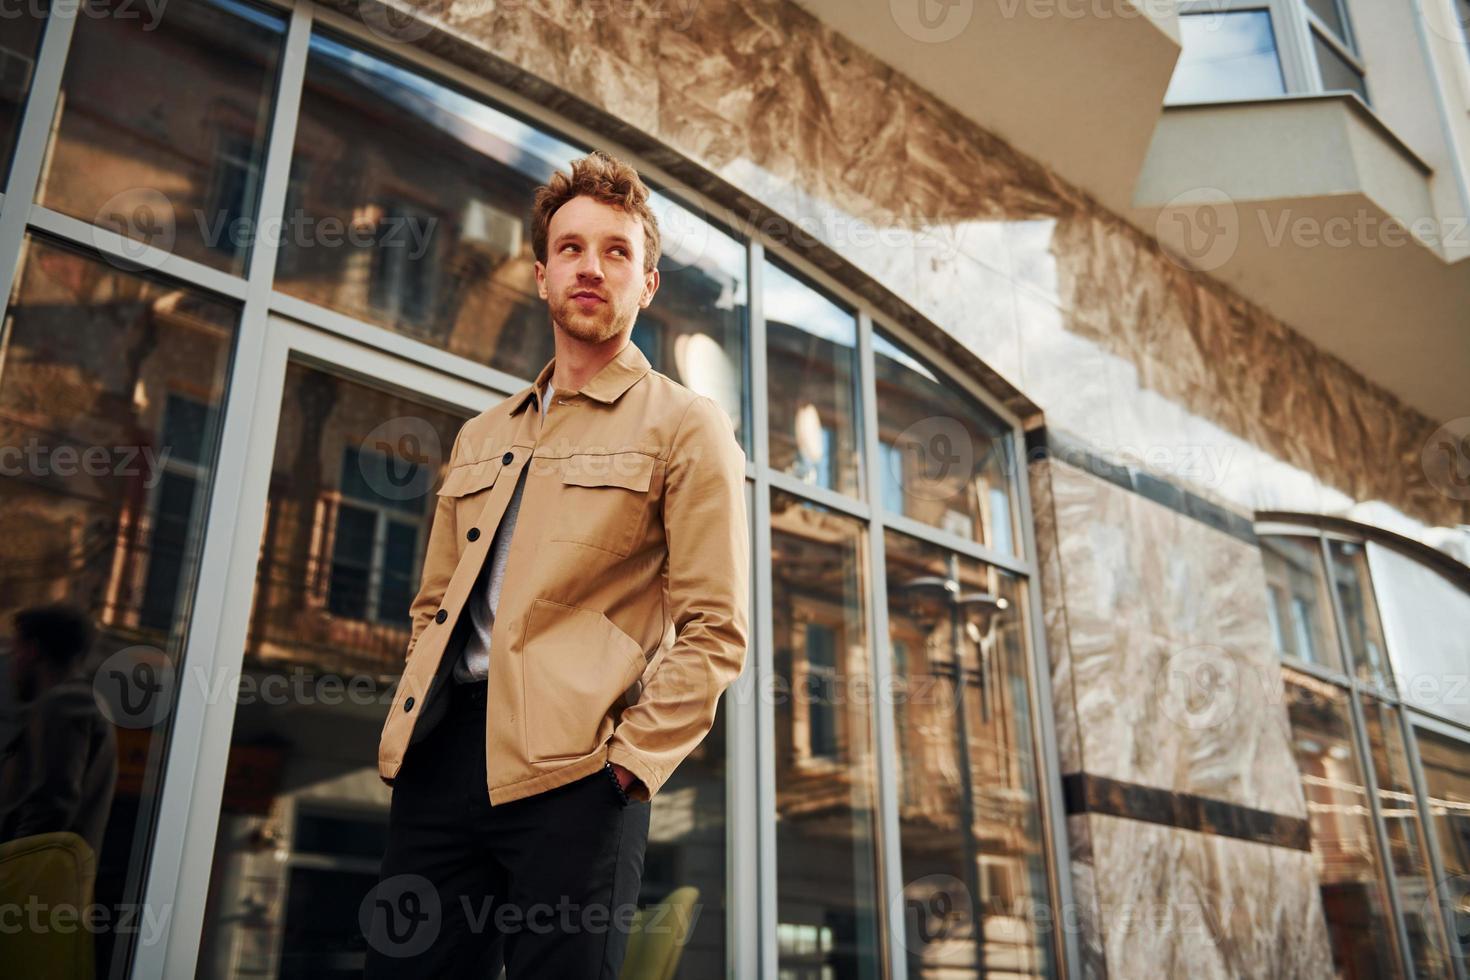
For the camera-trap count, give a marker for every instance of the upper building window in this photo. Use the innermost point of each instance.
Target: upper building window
(1257, 49)
(1227, 55)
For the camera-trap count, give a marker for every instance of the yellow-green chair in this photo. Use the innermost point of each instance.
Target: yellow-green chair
(658, 936)
(47, 879)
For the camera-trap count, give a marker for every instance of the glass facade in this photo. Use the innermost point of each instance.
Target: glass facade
(263, 613)
(1382, 778)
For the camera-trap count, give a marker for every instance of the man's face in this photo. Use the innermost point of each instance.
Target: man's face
(593, 280)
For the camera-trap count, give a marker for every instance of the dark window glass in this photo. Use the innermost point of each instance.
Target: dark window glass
(20, 43)
(161, 126)
(110, 386)
(1338, 74)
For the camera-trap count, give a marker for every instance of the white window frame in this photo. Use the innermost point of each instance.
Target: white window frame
(1293, 24)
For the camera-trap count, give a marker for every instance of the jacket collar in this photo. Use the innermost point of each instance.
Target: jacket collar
(607, 385)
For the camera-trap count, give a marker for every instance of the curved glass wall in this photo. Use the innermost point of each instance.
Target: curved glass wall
(876, 476)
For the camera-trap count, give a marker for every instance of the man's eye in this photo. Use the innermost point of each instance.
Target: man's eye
(620, 249)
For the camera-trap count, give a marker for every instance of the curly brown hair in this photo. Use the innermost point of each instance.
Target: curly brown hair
(603, 178)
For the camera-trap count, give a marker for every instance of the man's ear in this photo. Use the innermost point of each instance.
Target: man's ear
(650, 286)
(540, 280)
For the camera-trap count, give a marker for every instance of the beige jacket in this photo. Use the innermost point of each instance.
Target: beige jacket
(624, 610)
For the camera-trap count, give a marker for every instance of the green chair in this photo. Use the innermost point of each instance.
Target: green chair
(658, 936)
(50, 877)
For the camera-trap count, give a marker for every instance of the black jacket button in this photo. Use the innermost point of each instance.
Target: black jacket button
(441, 616)
(408, 705)
(507, 458)
(473, 534)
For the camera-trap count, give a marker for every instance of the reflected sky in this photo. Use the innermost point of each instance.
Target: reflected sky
(1226, 56)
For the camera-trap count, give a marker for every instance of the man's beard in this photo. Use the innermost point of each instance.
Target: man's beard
(592, 329)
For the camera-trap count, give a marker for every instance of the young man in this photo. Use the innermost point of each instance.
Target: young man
(583, 606)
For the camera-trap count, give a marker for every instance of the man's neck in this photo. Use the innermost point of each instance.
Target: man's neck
(578, 361)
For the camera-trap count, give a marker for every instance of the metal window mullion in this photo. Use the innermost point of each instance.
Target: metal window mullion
(953, 542)
(1443, 900)
(767, 961)
(885, 741)
(1044, 734)
(32, 142)
(1370, 776)
(1293, 46)
(188, 819)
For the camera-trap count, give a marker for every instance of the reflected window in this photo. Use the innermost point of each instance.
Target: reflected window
(1364, 632)
(812, 373)
(110, 394)
(1446, 764)
(826, 820)
(971, 840)
(1226, 55)
(1297, 601)
(945, 458)
(173, 156)
(1406, 843)
(20, 43)
(1344, 850)
(304, 814)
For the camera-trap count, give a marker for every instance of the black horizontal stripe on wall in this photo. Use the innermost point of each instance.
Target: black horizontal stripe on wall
(1045, 443)
(1086, 793)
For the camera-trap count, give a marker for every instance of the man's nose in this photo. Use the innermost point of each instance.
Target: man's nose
(590, 267)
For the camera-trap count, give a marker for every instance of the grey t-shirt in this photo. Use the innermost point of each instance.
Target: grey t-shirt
(474, 662)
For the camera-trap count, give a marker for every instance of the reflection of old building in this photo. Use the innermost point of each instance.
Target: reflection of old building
(998, 720)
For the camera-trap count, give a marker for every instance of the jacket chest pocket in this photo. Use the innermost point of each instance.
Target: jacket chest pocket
(469, 484)
(603, 500)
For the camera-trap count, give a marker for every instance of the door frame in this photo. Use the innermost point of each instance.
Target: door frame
(182, 860)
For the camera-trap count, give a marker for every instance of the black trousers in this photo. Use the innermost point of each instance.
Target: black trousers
(546, 885)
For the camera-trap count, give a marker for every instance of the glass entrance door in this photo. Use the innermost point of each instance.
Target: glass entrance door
(346, 451)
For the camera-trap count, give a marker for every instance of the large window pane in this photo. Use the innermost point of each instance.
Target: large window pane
(348, 514)
(1226, 56)
(1406, 847)
(969, 810)
(1364, 639)
(20, 42)
(826, 825)
(111, 386)
(695, 330)
(1354, 898)
(1297, 601)
(1446, 764)
(946, 461)
(1427, 620)
(811, 368)
(160, 131)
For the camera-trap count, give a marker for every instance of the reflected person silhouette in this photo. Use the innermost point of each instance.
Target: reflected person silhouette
(58, 767)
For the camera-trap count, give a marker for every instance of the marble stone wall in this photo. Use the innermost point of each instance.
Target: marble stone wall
(1075, 319)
